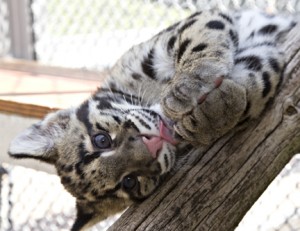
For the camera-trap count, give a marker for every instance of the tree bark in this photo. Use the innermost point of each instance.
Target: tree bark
(217, 186)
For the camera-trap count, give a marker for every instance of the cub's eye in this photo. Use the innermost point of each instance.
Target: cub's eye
(129, 182)
(102, 140)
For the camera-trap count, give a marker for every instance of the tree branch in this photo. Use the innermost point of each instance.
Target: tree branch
(217, 186)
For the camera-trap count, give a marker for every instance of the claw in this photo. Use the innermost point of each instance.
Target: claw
(219, 81)
(202, 98)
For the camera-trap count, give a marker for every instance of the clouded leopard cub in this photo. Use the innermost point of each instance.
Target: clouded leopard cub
(191, 83)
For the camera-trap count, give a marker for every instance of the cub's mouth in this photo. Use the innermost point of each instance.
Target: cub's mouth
(167, 133)
(156, 143)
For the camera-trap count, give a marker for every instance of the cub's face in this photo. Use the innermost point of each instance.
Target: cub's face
(107, 155)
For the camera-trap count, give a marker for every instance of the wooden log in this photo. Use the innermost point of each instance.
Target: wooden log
(215, 188)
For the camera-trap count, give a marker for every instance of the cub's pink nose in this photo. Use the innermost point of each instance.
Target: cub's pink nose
(154, 144)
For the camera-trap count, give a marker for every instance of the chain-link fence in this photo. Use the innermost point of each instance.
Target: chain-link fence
(4, 29)
(72, 33)
(93, 34)
(33, 201)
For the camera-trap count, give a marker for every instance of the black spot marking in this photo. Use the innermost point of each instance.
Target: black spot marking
(99, 127)
(78, 169)
(66, 180)
(131, 138)
(172, 27)
(117, 119)
(187, 25)
(148, 65)
(62, 124)
(62, 166)
(293, 24)
(268, 44)
(146, 115)
(226, 17)
(79, 198)
(252, 62)
(268, 29)
(215, 25)
(136, 76)
(104, 103)
(86, 188)
(267, 84)
(95, 193)
(112, 85)
(251, 35)
(114, 190)
(182, 49)
(234, 38)
(251, 75)
(89, 158)
(63, 120)
(171, 43)
(274, 64)
(82, 151)
(143, 122)
(195, 14)
(68, 168)
(166, 161)
(151, 112)
(199, 47)
(83, 116)
(130, 124)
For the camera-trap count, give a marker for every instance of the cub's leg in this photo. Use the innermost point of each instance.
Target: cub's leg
(201, 99)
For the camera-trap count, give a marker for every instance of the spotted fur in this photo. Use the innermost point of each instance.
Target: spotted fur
(190, 84)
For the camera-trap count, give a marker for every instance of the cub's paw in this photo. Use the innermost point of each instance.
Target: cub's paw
(203, 110)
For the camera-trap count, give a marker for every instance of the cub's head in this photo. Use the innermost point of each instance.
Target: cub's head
(107, 152)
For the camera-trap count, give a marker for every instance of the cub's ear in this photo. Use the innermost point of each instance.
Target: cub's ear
(39, 141)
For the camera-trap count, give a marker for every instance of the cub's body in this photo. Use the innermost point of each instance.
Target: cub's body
(190, 84)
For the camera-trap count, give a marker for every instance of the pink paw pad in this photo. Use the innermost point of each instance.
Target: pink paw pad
(217, 83)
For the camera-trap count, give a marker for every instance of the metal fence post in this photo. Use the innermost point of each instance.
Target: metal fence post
(20, 29)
